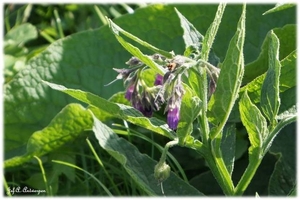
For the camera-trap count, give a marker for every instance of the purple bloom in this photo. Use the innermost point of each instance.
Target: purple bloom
(174, 104)
(129, 91)
(173, 118)
(146, 110)
(158, 80)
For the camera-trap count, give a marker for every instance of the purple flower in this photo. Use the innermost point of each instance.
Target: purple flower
(146, 110)
(129, 91)
(173, 118)
(174, 104)
(158, 80)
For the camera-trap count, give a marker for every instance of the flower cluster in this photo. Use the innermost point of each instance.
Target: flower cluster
(166, 89)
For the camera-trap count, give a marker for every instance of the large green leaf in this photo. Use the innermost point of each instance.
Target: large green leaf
(287, 78)
(269, 97)
(120, 111)
(287, 84)
(190, 108)
(85, 60)
(230, 78)
(212, 32)
(255, 124)
(66, 126)
(19, 35)
(287, 39)
(139, 166)
(191, 36)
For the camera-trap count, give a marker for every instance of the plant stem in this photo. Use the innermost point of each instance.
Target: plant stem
(47, 186)
(59, 25)
(247, 177)
(165, 151)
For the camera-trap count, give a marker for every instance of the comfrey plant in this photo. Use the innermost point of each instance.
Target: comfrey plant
(193, 99)
(212, 94)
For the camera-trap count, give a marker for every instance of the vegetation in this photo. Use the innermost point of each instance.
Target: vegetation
(203, 103)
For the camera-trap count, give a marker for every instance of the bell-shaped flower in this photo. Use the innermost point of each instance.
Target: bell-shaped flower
(173, 118)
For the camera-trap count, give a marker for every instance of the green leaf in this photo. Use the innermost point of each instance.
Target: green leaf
(288, 118)
(120, 111)
(287, 79)
(116, 29)
(254, 122)
(212, 32)
(20, 35)
(137, 53)
(288, 73)
(279, 7)
(190, 108)
(66, 126)
(191, 36)
(269, 98)
(229, 80)
(139, 166)
(283, 179)
(287, 38)
(288, 105)
(287, 85)
(228, 146)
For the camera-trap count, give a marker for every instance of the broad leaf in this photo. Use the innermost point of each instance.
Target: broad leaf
(255, 124)
(287, 38)
(287, 88)
(269, 99)
(230, 78)
(66, 126)
(134, 50)
(19, 35)
(287, 78)
(120, 111)
(139, 166)
(116, 30)
(228, 146)
(190, 108)
(212, 32)
(191, 36)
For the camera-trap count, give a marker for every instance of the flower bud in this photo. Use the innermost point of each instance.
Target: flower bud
(212, 86)
(134, 61)
(124, 73)
(161, 171)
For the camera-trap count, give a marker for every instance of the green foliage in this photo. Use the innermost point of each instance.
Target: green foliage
(248, 53)
(140, 167)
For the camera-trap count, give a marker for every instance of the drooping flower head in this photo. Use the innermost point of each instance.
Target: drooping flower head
(174, 103)
(166, 89)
